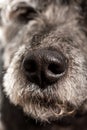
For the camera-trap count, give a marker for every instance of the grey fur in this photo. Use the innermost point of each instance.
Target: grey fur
(59, 24)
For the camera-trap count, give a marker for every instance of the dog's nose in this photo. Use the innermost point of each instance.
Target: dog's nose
(44, 66)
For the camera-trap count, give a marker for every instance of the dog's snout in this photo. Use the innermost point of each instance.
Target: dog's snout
(44, 66)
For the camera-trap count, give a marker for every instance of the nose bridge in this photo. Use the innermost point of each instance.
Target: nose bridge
(43, 37)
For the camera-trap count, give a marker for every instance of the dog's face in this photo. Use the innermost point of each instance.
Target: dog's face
(45, 56)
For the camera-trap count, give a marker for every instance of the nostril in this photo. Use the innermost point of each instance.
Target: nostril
(30, 66)
(56, 68)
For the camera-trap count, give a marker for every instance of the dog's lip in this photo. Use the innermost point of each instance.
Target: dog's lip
(63, 122)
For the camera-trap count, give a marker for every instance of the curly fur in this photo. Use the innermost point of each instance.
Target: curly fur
(61, 25)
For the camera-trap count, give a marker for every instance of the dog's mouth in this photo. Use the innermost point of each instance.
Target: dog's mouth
(64, 122)
(44, 109)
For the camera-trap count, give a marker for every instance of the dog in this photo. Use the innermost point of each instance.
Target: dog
(43, 73)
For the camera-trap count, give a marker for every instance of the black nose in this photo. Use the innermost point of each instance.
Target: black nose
(44, 66)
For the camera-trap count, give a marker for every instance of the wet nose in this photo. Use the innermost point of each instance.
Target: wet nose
(44, 66)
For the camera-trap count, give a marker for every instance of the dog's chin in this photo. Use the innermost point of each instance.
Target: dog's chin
(44, 110)
(46, 114)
